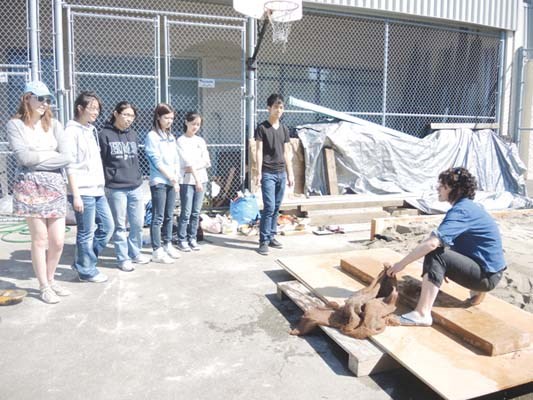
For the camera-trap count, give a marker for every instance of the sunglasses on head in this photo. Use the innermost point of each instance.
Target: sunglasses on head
(43, 99)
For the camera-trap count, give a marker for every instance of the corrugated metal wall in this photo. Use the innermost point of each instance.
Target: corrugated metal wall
(501, 14)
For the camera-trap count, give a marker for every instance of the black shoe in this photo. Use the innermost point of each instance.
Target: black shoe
(274, 243)
(263, 248)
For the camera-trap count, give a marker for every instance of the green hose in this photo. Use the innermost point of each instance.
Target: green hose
(20, 228)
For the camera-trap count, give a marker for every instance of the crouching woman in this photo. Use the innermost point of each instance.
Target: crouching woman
(466, 248)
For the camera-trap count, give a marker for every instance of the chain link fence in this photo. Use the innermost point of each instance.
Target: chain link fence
(403, 76)
(191, 54)
(14, 72)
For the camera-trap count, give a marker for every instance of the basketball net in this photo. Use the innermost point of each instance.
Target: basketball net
(277, 11)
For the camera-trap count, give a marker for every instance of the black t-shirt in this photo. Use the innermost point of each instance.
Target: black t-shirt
(273, 145)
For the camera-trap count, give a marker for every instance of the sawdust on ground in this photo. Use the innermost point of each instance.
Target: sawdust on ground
(516, 286)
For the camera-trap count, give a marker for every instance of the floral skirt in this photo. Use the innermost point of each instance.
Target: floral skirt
(40, 194)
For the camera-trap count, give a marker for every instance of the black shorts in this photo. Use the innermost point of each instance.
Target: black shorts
(461, 269)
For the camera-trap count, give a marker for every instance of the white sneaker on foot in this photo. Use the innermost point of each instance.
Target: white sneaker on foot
(98, 278)
(126, 266)
(49, 296)
(183, 246)
(171, 251)
(160, 256)
(194, 245)
(140, 259)
(59, 290)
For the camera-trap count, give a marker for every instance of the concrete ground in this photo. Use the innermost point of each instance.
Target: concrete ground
(207, 327)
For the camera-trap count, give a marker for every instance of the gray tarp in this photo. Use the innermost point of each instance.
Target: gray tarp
(370, 160)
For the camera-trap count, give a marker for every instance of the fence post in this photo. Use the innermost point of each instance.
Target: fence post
(59, 60)
(34, 38)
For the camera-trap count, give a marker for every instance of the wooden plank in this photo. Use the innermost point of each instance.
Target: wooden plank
(345, 216)
(480, 125)
(331, 171)
(364, 357)
(453, 370)
(364, 202)
(492, 335)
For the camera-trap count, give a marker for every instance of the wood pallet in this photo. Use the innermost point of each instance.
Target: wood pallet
(364, 357)
(453, 369)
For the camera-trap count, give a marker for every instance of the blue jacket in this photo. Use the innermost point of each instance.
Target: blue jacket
(162, 152)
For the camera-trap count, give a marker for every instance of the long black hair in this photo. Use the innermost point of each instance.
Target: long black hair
(121, 107)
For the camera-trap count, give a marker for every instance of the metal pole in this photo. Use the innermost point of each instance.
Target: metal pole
(166, 55)
(34, 39)
(498, 112)
(157, 55)
(251, 80)
(70, 43)
(251, 106)
(520, 98)
(385, 73)
(59, 60)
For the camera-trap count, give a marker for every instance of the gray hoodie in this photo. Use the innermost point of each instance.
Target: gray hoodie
(86, 163)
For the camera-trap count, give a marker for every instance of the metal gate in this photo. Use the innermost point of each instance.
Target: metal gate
(195, 62)
(118, 57)
(205, 73)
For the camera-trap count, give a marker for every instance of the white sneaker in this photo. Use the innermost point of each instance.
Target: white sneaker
(49, 296)
(160, 256)
(171, 251)
(140, 259)
(59, 290)
(98, 278)
(126, 266)
(194, 246)
(183, 246)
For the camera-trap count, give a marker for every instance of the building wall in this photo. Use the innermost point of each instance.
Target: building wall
(499, 14)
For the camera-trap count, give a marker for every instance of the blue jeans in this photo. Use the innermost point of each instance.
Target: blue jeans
(94, 229)
(272, 189)
(191, 205)
(163, 204)
(127, 202)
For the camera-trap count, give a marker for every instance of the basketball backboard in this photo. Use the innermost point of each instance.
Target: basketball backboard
(282, 10)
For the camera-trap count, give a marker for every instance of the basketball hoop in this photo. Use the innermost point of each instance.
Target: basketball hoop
(280, 15)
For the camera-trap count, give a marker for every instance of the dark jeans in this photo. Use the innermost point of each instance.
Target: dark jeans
(272, 189)
(461, 269)
(163, 204)
(191, 205)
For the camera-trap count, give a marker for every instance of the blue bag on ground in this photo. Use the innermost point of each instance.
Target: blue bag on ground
(244, 210)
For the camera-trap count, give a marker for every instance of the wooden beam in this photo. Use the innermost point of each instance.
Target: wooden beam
(364, 357)
(331, 171)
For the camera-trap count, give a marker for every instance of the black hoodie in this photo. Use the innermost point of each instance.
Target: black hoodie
(120, 157)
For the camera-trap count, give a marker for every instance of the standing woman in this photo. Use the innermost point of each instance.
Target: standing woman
(194, 163)
(86, 189)
(39, 193)
(162, 152)
(120, 156)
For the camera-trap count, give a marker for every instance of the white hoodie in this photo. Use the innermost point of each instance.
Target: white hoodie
(86, 163)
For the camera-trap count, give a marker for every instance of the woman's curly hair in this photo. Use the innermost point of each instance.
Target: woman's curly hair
(461, 182)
